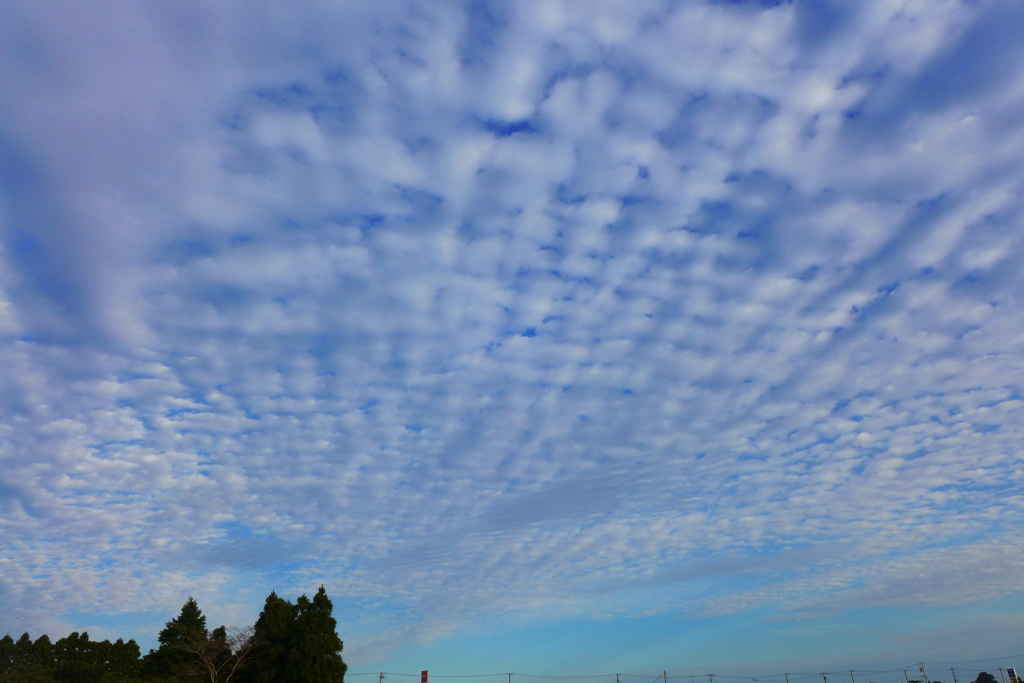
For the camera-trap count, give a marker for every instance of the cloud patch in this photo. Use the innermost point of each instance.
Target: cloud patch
(475, 309)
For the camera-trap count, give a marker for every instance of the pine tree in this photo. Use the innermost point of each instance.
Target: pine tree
(171, 659)
(191, 622)
(298, 643)
(315, 655)
(274, 629)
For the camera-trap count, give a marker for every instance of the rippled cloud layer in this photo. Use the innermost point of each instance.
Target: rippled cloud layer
(535, 308)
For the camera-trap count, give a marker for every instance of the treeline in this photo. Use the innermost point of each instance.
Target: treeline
(289, 643)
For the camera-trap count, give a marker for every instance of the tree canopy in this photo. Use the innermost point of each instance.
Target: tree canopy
(299, 642)
(290, 643)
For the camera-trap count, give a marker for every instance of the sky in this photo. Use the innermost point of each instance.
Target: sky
(553, 337)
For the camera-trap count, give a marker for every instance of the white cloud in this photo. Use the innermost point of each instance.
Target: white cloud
(534, 309)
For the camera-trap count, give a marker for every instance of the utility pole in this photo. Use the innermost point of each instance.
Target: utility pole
(381, 677)
(953, 673)
(1002, 676)
(711, 677)
(510, 678)
(787, 677)
(851, 678)
(664, 677)
(924, 675)
(906, 676)
(824, 678)
(617, 678)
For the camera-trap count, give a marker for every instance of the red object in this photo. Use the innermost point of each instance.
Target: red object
(423, 677)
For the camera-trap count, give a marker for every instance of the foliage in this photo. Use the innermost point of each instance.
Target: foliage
(290, 643)
(72, 659)
(298, 643)
(172, 660)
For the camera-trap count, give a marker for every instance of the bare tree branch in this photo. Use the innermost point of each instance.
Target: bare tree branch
(218, 658)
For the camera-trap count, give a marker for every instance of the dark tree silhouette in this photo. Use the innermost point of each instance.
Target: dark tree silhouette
(290, 643)
(298, 643)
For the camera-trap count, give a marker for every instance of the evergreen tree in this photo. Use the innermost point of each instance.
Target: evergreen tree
(290, 643)
(6, 655)
(23, 662)
(124, 660)
(43, 655)
(23, 653)
(72, 659)
(298, 643)
(315, 655)
(274, 630)
(171, 660)
(78, 659)
(191, 622)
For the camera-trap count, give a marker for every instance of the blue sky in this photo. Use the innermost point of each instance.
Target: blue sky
(557, 337)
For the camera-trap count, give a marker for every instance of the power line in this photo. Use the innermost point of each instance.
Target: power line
(567, 677)
(502, 674)
(663, 676)
(975, 661)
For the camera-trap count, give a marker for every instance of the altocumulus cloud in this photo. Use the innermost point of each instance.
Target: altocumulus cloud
(487, 308)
